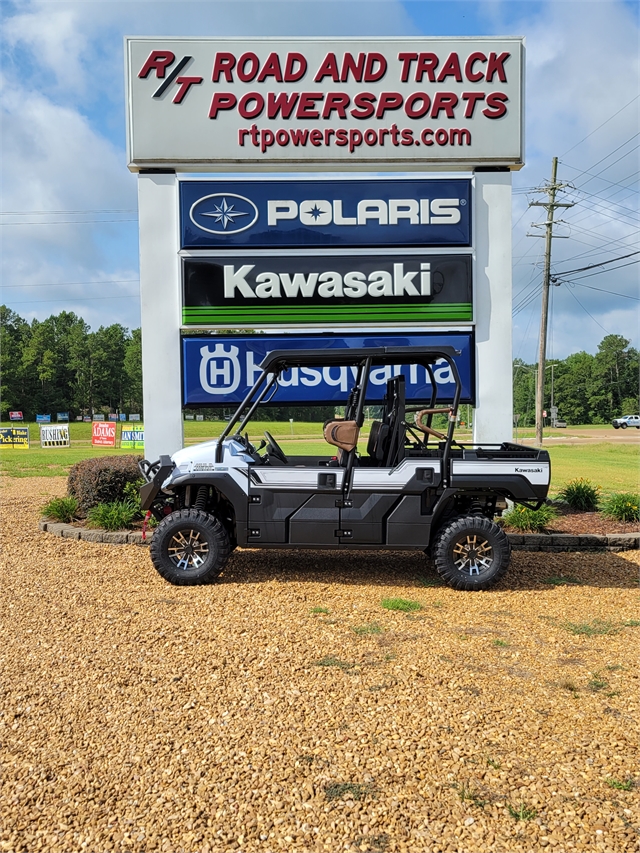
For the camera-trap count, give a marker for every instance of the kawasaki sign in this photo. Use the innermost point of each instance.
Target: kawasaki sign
(326, 289)
(375, 213)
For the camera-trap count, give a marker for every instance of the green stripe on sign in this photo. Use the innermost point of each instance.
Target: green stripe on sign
(341, 313)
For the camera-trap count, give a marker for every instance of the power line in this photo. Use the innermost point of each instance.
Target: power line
(601, 264)
(612, 292)
(66, 222)
(46, 212)
(601, 125)
(71, 299)
(606, 156)
(74, 283)
(586, 312)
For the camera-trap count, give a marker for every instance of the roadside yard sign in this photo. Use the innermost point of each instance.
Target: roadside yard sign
(54, 436)
(103, 434)
(132, 437)
(17, 437)
(380, 256)
(15, 416)
(62, 417)
(43, 419)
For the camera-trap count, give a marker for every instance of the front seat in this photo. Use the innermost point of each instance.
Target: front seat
(342, 434)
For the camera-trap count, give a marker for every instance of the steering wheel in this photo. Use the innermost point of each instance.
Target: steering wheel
(274, 449)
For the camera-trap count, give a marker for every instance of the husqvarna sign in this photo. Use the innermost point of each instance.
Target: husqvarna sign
(219, 372)
(288, 213)
(320, 104)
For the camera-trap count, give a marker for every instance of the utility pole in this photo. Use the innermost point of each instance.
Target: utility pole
(550, 206)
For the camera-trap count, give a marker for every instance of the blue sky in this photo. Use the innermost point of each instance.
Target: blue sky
(69, 203)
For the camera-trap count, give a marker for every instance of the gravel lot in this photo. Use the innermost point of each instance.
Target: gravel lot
(141, 717)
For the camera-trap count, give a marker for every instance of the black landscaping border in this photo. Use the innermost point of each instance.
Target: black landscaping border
(550, 542)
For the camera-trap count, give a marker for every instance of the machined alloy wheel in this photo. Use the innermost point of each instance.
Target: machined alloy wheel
(190, 547)
(471, 553)
(187, 549)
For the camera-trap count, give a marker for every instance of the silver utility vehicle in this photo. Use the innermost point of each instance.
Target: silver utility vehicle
(413, 487)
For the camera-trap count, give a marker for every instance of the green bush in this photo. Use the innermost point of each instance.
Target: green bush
(115, 515)
(102, 480)
(624, 506)
(580, 494)
(530, 520)
(61, 509)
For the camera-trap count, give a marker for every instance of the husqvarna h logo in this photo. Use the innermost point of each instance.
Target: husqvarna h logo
(220, 370)
(223, 213)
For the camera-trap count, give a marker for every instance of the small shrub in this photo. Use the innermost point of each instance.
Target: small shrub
(369, 628)
(324, 610)
(102, 480)
(580, 494)
(116, 515)
(521, 812)
(624, 506)
(502, 644)
(131, 493)
(530, 520)
(597, 683)
(627, 785)
(351, 789)
(332, 660)
(561, 580)
(61, 509)
(594, 628)
(402, 604)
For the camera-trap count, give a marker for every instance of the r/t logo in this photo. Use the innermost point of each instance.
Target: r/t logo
(159, 61)
(220, 369)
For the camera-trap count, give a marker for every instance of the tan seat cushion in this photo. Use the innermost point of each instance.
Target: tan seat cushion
(342, 434)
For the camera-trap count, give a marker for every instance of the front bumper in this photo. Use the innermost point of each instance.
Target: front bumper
(155, 473)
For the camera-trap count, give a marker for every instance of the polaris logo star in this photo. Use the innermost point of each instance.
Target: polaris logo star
(224, 213)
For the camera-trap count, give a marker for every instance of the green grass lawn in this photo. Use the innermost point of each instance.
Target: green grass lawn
(614, 467)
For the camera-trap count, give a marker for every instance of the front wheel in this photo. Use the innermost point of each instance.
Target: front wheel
(471, 553)
(189, 547)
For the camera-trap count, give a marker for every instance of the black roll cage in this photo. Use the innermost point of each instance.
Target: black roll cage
(364, 359)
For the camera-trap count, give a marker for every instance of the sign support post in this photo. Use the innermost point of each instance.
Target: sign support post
(160, 307)
(493, 421)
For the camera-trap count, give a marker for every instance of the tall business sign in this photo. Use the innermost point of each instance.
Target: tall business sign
(417, 255)
(324, 104)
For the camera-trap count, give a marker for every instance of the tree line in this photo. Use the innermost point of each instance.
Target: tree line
(587, 389)
(60, 365)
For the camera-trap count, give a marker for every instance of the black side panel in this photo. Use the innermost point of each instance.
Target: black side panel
(364, 518)
(268, 514)
(513, 485)
(316, 522)
(405, 525)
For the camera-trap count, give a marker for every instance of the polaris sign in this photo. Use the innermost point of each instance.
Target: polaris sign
(348, 213)
(218, 371)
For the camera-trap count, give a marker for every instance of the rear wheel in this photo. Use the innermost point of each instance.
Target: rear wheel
(189, 547)
(471, 553)
(623, 426)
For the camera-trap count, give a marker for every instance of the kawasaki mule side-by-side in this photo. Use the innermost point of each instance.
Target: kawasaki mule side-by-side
(413, 487)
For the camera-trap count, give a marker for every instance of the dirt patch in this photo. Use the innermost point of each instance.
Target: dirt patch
(142, 717)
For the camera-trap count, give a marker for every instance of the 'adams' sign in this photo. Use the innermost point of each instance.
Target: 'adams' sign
(375, 213)
(311, 104)
(327, 290)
